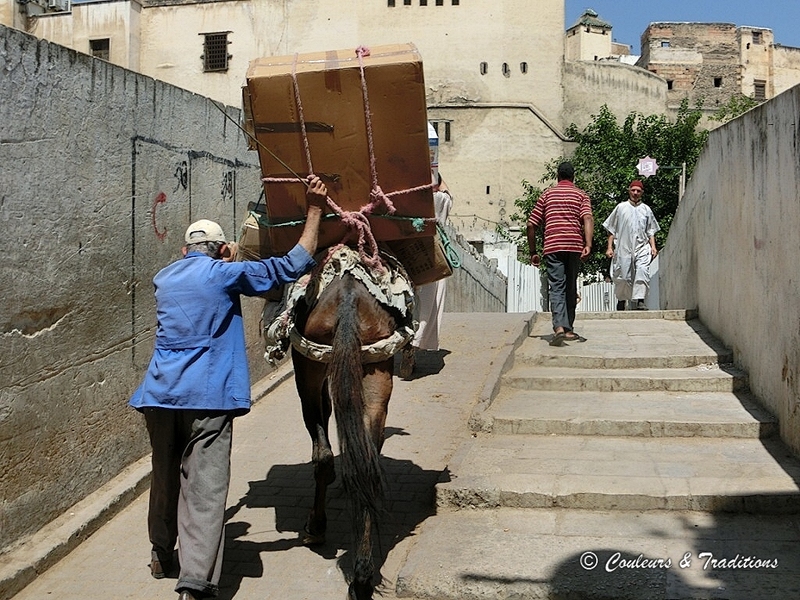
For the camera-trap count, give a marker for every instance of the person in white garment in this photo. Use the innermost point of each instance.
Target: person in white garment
(430, 296)
(631, 229)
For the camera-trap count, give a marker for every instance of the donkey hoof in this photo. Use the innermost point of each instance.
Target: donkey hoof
(312, 539)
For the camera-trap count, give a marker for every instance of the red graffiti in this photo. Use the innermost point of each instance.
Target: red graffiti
(161, 198)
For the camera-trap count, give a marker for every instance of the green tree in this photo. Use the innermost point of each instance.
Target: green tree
(734, 107)
(606, 159)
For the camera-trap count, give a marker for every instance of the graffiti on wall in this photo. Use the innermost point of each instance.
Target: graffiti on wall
(171, 187)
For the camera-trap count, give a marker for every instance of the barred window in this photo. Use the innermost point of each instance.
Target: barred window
(759, 90)
(215, 51)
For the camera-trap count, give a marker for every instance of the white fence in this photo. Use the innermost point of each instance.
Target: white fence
(527, 290)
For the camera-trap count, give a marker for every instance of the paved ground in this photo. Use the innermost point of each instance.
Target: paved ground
(272, 486)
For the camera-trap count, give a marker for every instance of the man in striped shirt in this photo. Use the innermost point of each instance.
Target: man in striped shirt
(566, 212)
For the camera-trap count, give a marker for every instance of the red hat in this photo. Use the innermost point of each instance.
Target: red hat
(636, 183)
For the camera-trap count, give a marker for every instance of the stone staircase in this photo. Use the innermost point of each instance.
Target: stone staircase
(634, 464)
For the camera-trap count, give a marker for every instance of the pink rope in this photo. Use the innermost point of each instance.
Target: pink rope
(356, 222)
(300, 113)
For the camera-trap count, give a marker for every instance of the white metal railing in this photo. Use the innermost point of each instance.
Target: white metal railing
(525, 290)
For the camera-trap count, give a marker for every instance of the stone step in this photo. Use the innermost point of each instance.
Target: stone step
(707, 378)
(636, 414)
(561, 357)
(662, 315)
(616, 473)
(624, 344)
(555, 553)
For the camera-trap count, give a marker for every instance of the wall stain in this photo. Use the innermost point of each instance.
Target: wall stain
(30, 322)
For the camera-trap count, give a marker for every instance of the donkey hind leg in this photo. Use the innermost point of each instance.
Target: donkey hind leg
(324, 475)
(316, 407)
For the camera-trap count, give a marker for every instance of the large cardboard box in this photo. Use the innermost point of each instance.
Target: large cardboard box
(331, 99)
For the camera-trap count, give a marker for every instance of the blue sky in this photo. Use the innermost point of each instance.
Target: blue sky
(629, 18)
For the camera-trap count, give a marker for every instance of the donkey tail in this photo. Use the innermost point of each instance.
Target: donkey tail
(361, 471)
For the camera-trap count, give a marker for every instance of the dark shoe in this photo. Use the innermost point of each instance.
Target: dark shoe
(620, 304)
(640, 305)
(407, 362)
(157, 569)
(558, 338)
(160, 567)
(571, 336)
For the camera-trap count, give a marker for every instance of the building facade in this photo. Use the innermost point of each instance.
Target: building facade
(502, 80)
(716, 61)
(589, 38)
(493, 69)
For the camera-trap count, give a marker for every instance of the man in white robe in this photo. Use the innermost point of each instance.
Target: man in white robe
(631, 229)
(430, 296)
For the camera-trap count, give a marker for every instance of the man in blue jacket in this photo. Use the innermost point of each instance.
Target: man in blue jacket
(197, 382)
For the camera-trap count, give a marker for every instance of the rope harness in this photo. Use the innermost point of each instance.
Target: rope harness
(390, 286)
(357, 222)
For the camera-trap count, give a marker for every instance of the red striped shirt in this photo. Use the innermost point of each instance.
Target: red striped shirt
(562, 208)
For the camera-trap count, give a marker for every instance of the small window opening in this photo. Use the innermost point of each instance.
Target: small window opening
(215, 52)
(439, 2)
(423, 2)
(447, 131)
(717, 82)
(484, 68)
(100, 48)
(756, 37)
(391, 3)
(488, 189)
(506, 70)
(407, 2)
(523, 67)
(455, 2)
(759, 90)
(669, 84)
(665, 44)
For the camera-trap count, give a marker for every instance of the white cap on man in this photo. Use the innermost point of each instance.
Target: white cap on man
(204, 231)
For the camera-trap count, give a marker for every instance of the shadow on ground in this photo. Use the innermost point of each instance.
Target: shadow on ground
(289, 490)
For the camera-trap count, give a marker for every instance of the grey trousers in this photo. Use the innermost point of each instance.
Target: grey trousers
(562, 279)
(188, 491)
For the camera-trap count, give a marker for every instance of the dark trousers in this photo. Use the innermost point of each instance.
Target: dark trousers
(562, 279)
(188, 491)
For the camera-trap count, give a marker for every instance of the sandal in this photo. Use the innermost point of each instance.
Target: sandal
(571, 336)
(558, 339)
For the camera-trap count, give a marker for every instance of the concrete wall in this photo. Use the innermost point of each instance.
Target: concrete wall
(102, 171)
(477, 285)
(733, 246)
(624, 88)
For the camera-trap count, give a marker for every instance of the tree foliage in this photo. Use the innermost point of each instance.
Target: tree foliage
(606, 159)
(737, 105)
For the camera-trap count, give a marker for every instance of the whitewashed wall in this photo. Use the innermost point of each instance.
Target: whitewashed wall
(733, 247)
